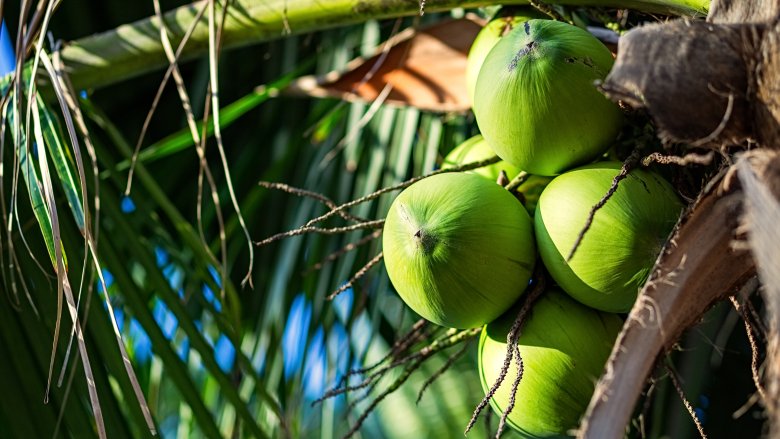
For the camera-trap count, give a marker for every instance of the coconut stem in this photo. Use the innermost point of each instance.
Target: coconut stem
(688, 159)
(517, 181)
(360, 273)
(547, 10)
(303, 230)
(513, 392)
(450, 361)
(413, 363)
(374, 195)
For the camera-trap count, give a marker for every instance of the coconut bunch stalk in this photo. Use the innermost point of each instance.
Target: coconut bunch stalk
(724, 104)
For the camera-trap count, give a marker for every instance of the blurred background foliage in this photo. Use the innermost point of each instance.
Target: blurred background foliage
(251, 362)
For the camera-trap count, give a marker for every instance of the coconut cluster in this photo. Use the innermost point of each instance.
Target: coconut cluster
(460, 249)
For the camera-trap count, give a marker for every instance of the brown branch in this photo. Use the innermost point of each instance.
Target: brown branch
(343, 250)
(721, 125)
(646, 408)
(753, 347)
(376, 224)
(688, 159)
(360, 273)
(425, 353)
(345, 389)
(517, 181)
(392, 388)
(451, 338)
(310, 194)
(419, 331)
(399, 186)
(450, 361)
(512, 393)
(547, 10)
(366, 393)
(762, 330)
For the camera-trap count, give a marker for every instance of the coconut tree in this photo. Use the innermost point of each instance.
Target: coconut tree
(162, 165)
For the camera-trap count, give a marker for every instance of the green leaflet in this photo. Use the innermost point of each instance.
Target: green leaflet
(30, 173)
(63, 161)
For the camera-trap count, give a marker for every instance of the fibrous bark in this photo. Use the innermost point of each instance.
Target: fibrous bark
(693, 96)
(759, 174)
(711, 83)
(698, 267)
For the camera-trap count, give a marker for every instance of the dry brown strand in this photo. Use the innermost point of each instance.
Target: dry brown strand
(686, 403)
(447, 364)
(412, 364)
(357, 276)
(343, 250)
(629, 164)
(754, 351)
(512, 350)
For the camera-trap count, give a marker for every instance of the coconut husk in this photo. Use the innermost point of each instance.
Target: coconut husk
(707, 84)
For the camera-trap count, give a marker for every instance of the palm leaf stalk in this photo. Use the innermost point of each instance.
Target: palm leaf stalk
(108, 57)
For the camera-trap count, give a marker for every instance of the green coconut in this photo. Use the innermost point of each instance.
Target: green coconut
(618, 251)
(535, 99)
(459, 249)
(477, 149)
(507, 19)
(564, 346)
